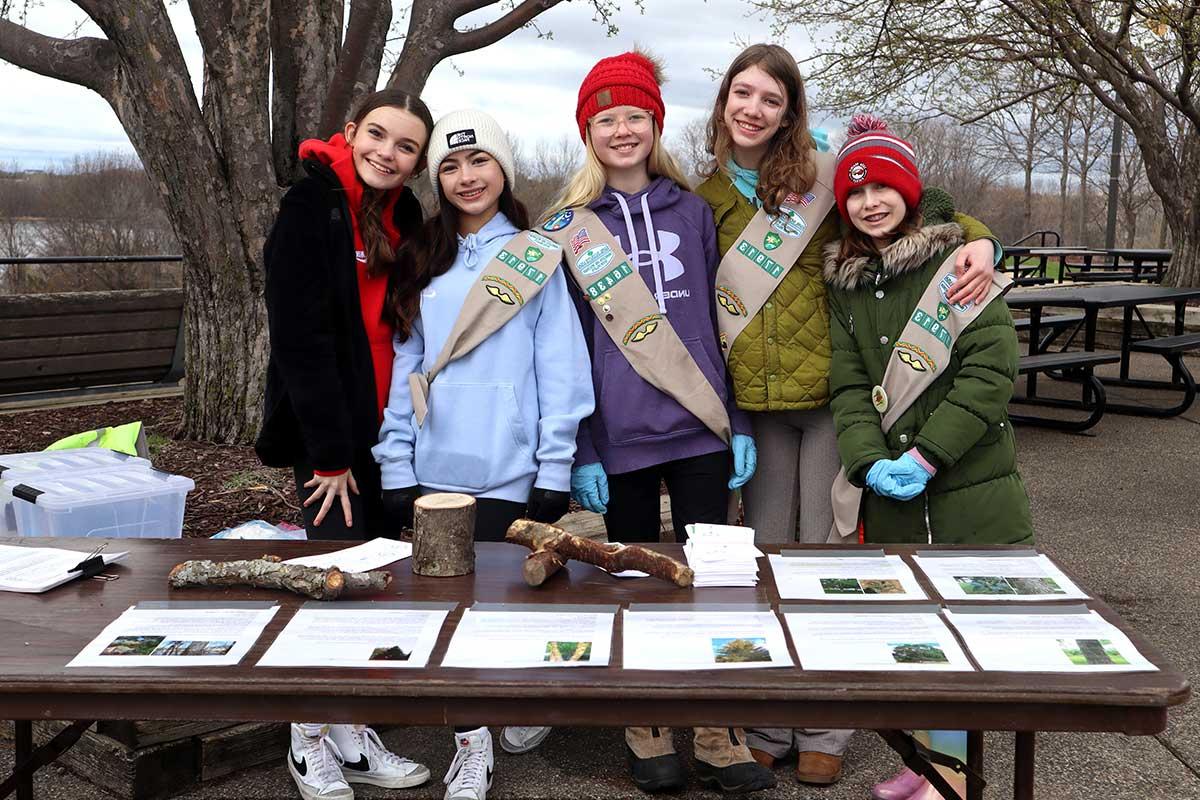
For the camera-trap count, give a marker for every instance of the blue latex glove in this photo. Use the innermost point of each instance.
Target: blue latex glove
(900, 479)
(589, 487)
(745, 460)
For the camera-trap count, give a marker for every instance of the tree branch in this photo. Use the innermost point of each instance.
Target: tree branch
(484, 35)
(358, 65)
(86, 61)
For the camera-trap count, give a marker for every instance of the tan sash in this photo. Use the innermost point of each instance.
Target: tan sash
(766, 250)
(628, 311)
(506, 283)
(918, 357)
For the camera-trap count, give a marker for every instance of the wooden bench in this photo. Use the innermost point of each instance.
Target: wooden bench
(73, 343)
(1076, 366)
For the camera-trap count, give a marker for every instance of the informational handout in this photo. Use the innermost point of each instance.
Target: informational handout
(400, 635)
(859, 575)
(999, 575)
(901, 637)
(38, 569)
(360, 558)
(178, 634)
(722, 555)
(702, 637)
(1045, 639)
(520, 636)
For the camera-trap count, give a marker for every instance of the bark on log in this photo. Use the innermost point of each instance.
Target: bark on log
(268, 573)
(552, 546)
(443, 535)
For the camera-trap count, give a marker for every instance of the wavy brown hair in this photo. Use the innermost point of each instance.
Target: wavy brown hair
(380, 255)
(788, 165)
(856, 243)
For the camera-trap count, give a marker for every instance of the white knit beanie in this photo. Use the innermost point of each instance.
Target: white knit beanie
(468, 130)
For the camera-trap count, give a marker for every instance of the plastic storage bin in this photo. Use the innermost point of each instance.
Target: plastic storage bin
(130, 502)
(18, 468)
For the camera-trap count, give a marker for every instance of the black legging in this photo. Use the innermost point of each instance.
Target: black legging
(699, 491)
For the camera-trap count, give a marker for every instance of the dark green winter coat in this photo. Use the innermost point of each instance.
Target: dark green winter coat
(960, 423)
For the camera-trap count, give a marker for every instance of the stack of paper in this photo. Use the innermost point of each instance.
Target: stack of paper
(722, 555)
(36, 569)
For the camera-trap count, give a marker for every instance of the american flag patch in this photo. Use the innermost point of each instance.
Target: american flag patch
(580, 241)
(808, 198)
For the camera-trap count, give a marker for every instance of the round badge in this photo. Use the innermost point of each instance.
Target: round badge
(559, 221)
(858, 172)
(879, 399)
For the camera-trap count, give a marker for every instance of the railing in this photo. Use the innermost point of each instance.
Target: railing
(1043, 236)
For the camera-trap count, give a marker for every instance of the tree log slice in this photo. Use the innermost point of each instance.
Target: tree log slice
(443, 535)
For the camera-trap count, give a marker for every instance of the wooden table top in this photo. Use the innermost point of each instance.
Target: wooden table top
(40, 633)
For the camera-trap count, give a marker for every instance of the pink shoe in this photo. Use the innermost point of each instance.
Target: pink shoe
(901, 786)
(926, 792)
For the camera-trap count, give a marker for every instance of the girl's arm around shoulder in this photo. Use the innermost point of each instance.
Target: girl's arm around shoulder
(860, 439)
(398, 436)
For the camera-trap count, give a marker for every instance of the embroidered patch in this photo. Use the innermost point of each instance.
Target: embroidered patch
(857, 172)
(724, 341)
(542, 241)
(729, 301)
(559, 220)
(927, 321)
(808, 199)
(792, 198)
(641, 329)
(788, 222)
(532, 273)
(502, 290)
(580, 240)
(360, 255)
(609, 280)
(879, 399)
(943, 312)
(595, 259)
(533, 255)
(772, 240)
(944, 286)
(764, 262)
(915, 357)
(461, 138)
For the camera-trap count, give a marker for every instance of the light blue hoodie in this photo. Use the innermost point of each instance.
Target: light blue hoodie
(503, 418)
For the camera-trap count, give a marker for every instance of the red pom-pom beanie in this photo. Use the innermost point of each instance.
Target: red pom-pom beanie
(873, 154)
(630, 79)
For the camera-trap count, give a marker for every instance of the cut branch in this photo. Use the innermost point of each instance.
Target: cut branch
(269, 573)
(552, 547)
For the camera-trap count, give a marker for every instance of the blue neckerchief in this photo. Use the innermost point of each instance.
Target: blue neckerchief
(746, 182)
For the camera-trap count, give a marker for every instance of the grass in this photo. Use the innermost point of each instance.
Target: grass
(247, 478)
(156, 442)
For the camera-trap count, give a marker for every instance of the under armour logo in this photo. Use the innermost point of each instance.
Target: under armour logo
(668, 243)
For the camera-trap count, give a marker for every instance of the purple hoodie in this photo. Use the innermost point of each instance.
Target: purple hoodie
(668, 233)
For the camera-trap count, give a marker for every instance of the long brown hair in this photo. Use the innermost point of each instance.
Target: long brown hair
(788, 165)
(855, 243)
(380, 255)
(430, 253)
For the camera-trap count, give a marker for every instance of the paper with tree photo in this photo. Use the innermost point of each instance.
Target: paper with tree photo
(392, 635)
(517, 639)
(873, 640)
(854, 577)
(1007, 577)
(701, 640)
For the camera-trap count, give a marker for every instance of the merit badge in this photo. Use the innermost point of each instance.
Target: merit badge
(641, 329)
(595, 259)
(808, 198)
(772, 240)
(858, 172)
(943, 312)
(791, 199)
(559, 220)
(729, 301)
(788, 222)
(533, 255)
(944, 286)
(502, 290)
(542, 241)
(879, 399)
(580, 241)
(915, 357)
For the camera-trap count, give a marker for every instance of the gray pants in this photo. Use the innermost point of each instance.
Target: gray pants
(779, 741)
(797, 462)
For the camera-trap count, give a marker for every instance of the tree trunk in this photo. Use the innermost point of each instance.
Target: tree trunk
(1030, 141)
(443, 535)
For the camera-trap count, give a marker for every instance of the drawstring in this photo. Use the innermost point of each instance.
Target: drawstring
(655, 265)
(470, 248)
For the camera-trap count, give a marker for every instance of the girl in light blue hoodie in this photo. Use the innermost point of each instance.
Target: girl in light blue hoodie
(503, 418)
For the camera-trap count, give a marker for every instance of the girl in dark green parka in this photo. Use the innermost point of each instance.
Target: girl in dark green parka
(946, 470)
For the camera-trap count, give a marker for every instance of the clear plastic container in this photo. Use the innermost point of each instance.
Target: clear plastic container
(129, 502)
(18, 468)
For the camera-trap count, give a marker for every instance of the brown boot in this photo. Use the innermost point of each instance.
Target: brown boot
(763, 757)
(820, 769)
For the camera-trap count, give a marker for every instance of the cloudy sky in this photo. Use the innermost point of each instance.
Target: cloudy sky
(530, 85)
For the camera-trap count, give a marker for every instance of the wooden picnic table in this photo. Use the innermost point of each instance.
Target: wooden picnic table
(43, 632)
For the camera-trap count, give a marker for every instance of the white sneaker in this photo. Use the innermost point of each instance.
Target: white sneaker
(313, 761)
(516, 739)
(470, 773)
(365, 759)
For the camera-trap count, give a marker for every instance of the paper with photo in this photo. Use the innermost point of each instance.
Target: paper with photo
(1018, 639)
(527, 639)
(873, 639)
(702, 640)
(178, 635)
(998, 577)
(358, 635)
(39, 569)
(857, 578)
(360, 558)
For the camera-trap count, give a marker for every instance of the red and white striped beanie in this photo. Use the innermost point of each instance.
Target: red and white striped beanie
(873, 154)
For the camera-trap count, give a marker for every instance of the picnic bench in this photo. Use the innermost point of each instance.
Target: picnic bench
(77, 342)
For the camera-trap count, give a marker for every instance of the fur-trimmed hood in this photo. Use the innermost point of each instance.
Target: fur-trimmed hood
(901, 256)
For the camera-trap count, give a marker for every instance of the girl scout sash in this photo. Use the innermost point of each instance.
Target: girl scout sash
(506, 283)
(765, 251)
(918, 357)
(629, 313)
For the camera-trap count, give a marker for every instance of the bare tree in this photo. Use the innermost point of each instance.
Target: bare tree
(952, 159)
(689, 146)
(274, 73)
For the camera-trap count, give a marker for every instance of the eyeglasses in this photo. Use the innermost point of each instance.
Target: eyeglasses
(637, 122)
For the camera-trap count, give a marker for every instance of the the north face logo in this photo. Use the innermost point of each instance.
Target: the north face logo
(460, 138)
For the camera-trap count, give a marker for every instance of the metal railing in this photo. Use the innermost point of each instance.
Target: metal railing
(1043, 236)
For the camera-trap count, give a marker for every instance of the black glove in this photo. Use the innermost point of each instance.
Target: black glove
(398, 508)
(547, 505)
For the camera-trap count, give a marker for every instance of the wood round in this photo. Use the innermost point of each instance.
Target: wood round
(443, 535)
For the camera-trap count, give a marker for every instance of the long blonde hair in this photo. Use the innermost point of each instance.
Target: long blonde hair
(589, 181)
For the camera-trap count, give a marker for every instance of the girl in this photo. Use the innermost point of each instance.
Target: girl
(485, 399)
(770, 191)
(328, 260)
(642, 252)
(920, 382)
